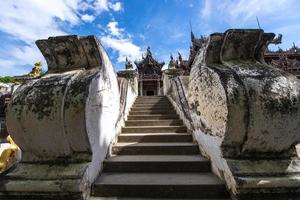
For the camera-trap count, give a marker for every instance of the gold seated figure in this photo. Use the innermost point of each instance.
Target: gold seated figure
(9, 154)
(36, 70)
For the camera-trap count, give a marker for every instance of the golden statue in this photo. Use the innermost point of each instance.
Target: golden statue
(36, 70)
(9, 154)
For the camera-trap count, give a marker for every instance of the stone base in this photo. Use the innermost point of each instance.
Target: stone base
(45, 181)
(264, 179)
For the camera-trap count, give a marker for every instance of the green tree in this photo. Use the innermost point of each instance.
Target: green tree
(7, 79)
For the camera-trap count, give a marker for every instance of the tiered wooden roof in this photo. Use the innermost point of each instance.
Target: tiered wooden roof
(288, 60)
(148, 67)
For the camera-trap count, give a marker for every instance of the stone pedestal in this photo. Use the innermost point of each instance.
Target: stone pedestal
(63, 121)
(246, 115)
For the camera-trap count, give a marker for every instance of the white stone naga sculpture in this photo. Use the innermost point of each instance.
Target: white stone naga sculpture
(246, 115)
(63, 121)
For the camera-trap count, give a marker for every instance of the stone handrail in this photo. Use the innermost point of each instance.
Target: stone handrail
(66, 53)
(175, 88)
(64, 121)
(245, 114)
(128, 94)
(242, 99)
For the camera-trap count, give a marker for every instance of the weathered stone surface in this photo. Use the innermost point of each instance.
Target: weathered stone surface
(66, 53)
(244, 115)
(253, 106)
(175, 86)
(128, 87)
(67, 116)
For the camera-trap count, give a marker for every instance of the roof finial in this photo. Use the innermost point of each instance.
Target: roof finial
(258, 22)
(128, 64)
(149, 51)
(192, 34)
(179, 56)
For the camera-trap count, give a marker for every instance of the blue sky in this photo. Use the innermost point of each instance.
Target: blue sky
(127, 27)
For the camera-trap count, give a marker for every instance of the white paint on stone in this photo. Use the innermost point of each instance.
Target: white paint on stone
(68, 116)
(244, 115)
(102, 112)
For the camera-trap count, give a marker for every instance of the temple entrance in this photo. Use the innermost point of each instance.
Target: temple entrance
(150, 93)
(150, 83)
(150, 88)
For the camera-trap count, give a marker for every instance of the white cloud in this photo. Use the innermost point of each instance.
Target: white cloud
(27, 54)
(88, 18)
(143, 37)
(8, 69)
(207, 9)
(177, 35)
(280, 16)
(114, 29)
(115, 6)
(29, 20)
(101, 5)
(240, 12)
(19, 56)
(83, 6)
(124, 47)
(245, 10)
(105, 5)
(121, 43)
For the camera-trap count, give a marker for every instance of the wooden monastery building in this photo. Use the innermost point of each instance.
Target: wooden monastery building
(150, 70)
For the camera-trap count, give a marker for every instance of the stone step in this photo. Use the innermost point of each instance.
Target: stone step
(142, 104)
(153, 117)
(155, 148)
(159, 185)
(165, 122)
(132, 198)
(152, 97)
(152, 101)
(147, 112)
(154, 129)
(155, 137)
(157, 163)
(155, 102)
(151, 108)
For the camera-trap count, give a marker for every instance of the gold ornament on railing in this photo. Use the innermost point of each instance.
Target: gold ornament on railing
(36, 70)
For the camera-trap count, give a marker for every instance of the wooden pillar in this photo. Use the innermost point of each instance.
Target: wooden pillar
(158, 87)
(141, 87)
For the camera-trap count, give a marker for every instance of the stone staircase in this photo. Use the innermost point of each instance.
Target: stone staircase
(155, 157)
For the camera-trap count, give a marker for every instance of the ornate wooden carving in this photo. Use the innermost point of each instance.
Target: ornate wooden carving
(148, 67)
